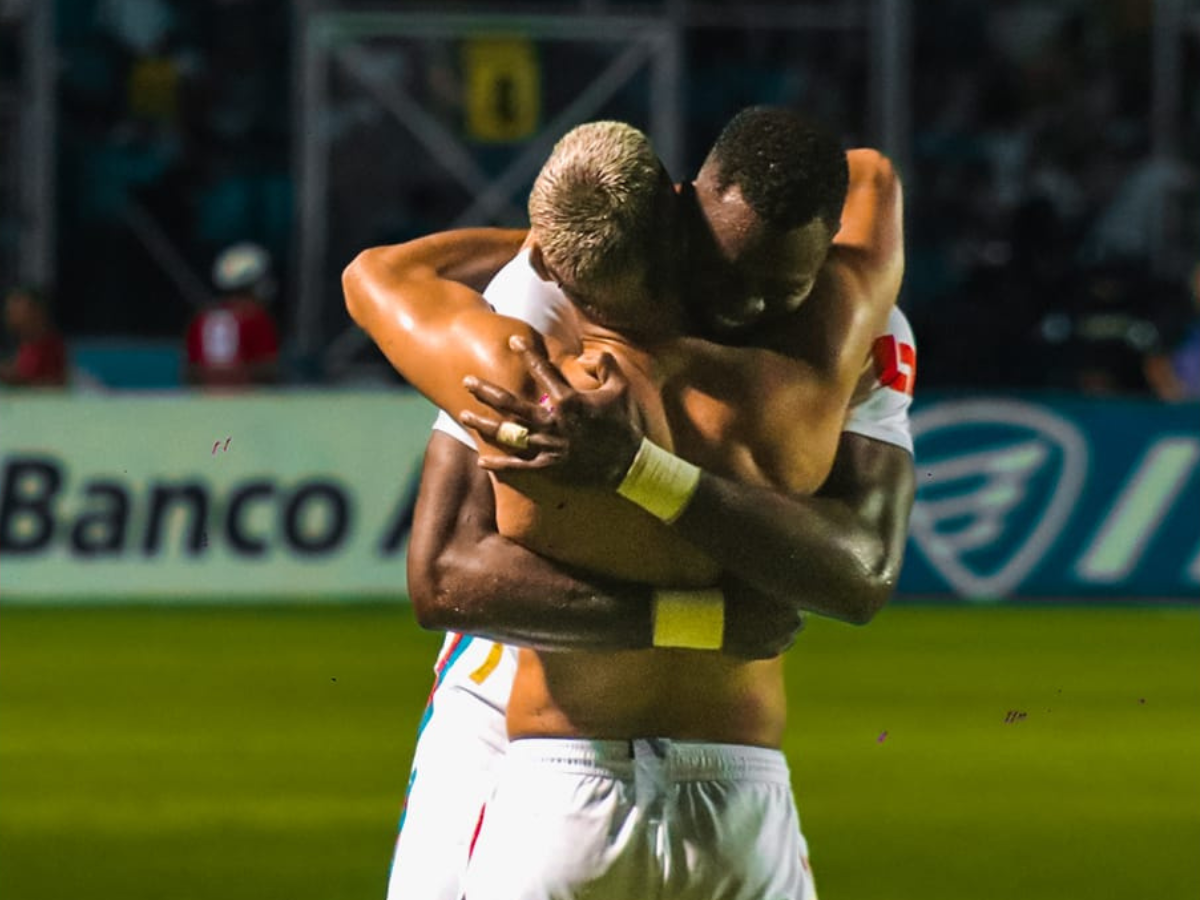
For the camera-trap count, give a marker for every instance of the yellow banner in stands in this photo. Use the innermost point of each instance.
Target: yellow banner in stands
(503, 80)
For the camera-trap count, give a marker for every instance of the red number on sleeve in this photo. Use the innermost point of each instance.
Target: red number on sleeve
(895, 364)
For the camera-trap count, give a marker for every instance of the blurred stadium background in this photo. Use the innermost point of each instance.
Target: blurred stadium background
(209, 678)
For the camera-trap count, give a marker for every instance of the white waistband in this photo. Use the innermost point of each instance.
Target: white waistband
(677, 760)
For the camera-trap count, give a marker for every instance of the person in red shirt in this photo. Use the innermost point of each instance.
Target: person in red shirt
(233, 342)
(41, 357)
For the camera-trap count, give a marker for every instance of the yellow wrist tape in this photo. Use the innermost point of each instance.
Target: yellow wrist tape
(659, 481)
(691, 619)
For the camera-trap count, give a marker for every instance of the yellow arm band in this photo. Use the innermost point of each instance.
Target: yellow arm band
(691, 619)
(659, 482)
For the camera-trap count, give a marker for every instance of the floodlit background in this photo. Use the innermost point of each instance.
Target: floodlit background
(209, 677)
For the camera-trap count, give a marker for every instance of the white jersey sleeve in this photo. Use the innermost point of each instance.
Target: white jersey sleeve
(518, 291)
(883, 413)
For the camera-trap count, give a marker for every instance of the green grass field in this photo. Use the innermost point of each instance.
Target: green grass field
(261, 753)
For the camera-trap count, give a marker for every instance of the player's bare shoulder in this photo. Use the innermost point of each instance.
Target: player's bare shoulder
(752, 414)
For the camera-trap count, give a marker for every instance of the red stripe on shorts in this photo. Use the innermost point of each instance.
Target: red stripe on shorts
(478, 827)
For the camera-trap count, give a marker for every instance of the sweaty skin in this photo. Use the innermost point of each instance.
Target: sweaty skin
(464, 576)
(754, 415)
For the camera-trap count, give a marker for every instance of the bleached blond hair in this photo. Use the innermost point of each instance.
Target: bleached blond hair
(595, 207)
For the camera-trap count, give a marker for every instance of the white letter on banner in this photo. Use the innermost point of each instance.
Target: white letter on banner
(1193, 570)
(1141, 507)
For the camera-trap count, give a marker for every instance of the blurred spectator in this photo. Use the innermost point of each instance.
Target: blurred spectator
(982, 330)
(41, 356)
(1116, 331)
(1039, 209)
(233, 342)
(1130, 225)
(1175, 374)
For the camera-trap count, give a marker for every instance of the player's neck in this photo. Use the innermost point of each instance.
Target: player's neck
(630, 338)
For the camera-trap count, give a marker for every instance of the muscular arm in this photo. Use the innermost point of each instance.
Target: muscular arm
(470, 256)
(463, 576)
(415, 302)
(837, 553)
(872, 216)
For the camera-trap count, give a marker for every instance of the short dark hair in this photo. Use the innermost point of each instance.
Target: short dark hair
(789, 168)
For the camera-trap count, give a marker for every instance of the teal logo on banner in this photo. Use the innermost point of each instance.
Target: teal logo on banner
(1055, 498)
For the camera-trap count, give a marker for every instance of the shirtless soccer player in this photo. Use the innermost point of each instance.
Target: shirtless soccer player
(710, 672)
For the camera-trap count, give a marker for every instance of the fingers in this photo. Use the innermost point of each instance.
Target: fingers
(541, 460)
(547, 375)
(503, 401)
(489, 429)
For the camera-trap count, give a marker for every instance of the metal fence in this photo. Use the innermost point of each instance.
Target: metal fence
(427, 118)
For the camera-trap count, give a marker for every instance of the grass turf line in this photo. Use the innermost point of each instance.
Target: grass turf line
(151, 752)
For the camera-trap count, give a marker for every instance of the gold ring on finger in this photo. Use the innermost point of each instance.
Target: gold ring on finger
(510, 434)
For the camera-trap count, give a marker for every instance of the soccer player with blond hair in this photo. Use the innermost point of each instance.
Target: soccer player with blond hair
(622, 715)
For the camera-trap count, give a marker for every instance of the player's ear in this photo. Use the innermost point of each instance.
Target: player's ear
(538, 261)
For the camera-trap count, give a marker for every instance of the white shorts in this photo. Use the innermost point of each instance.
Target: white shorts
(618, 820)
(462, 738)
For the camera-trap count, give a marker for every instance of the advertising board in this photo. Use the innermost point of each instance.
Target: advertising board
(283, 495)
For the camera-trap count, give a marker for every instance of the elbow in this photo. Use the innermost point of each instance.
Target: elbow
(868, 600)
(868, 165)
(872, 588)
(449, 594)
(354, 290)
(878, 174)
(424, 600)
(886, 175)
(350, 287)
(428, 608)
(877, 168)
(440, 610)
(431, 596)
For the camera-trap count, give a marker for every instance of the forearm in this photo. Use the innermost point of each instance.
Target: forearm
(813, 552)
(399, 291)
(499, 590)
(837, 553)
(469, 256)
(464, 576)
